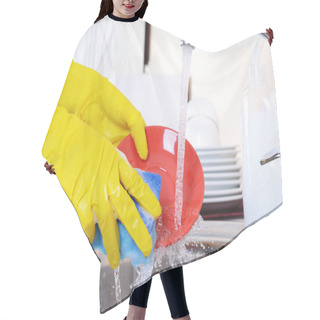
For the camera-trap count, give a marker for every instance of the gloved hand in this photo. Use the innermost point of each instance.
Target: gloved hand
(96, 101)
(95, 177)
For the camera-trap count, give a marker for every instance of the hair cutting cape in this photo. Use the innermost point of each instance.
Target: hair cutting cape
(223, 103)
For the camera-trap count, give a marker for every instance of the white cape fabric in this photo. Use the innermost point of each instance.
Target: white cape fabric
(230, 120)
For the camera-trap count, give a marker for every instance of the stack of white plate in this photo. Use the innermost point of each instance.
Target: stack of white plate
(222, 176)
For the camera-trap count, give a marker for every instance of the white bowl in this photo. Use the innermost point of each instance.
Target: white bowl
(202, 128)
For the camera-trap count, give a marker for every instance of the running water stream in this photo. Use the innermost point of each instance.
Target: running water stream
(117, 285)
(186, 62)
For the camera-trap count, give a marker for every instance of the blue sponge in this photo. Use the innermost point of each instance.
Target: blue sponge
(128, 248)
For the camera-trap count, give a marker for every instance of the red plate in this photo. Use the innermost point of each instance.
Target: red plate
(162, 159)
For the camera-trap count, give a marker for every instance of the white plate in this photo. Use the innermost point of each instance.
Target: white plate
(222, 199)
(217, 154)
(221, 168)
(234, 148)
(218, 148)
(218, 162)
(219, 185)
(219, 193)
(209, 176)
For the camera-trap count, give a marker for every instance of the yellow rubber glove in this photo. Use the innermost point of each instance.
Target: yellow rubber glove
(95, 177)
(96, 101)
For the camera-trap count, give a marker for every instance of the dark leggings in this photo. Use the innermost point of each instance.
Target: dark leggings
(172, 281)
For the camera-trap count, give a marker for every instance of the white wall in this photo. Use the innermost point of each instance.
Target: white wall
(48, 269)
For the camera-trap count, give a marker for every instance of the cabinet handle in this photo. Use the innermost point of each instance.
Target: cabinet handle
(265, 161)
